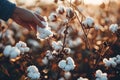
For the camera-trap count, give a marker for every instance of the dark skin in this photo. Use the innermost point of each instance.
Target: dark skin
(27, 19)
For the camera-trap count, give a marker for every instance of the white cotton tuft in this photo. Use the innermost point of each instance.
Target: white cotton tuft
(44, 33)
(62, 64)
(57, 45)
(14, 52)
(22, 46)
(45, 60)
(52, 16)
(33, 72)
(67, 75)
(49, 55)
(7, 50)
(88, 22)
(100, 75)
(60, 9)
(113, 27)
(67, 64)
(81, 78)
(70, 61)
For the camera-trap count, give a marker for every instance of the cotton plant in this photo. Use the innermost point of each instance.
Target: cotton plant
(113, 28)
(44, 33)
(33, 72)
(112, 61)
(81, 78)
(88, 22)
(67, 75)
(67, 65)
(100, 75)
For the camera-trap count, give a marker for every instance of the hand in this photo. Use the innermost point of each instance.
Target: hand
(27, 19)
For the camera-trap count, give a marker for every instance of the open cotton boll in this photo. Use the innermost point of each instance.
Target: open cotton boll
(60, 9)
(100, 75)
(57, 45)
(49, 55)
(7, 50)
(45, 60)
(62, 78)
(44, 33)
(69, 12)
(70, 61)
(68, 68)
(62, 64)
(118, 59)
(14, 52)
(22, 46)
(34, 76)
(88, 22)
(52, 17)
(106, 62)
(113, 63)
(81, 78)
(67, 75)
(113, 27)
(33, 72)
(32, 68)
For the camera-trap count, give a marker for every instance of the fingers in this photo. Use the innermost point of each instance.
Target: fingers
(20, 22)
(38, 21)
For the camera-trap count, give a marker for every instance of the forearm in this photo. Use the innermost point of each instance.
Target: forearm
(6, 9)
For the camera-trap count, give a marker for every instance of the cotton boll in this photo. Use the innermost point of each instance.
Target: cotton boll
(69, 12)
(53, 17)
(57, 45)
(113, 63)
(45, 60)
(113, 27)
(32, 68)
(33, 76)
(33, 72)
(106, 62)
(62, 78)
(44, 33)
(81, 78)
(67, 50)
(62, 64)
(22, 46)
(67, 68)
(7, 50)
(67, 75)
(60, 9)
(49, 55)
(70, 61)
(98, 73)
(88, 22)
(14, 52)
(101, 76)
